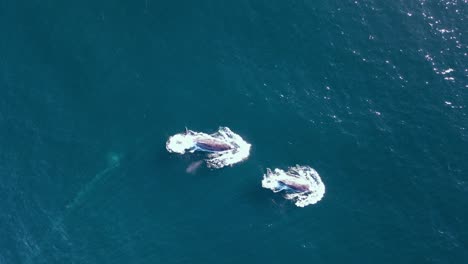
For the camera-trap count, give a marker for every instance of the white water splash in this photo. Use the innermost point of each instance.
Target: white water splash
(301, 175)
(183, 142)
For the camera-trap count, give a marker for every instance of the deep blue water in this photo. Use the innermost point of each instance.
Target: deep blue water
(372, 94)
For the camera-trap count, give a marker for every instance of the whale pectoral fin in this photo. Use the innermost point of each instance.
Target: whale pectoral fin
(281, 187)
(192, 149)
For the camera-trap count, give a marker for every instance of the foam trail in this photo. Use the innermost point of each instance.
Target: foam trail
(302, 184)
(223, 148)
(57, 224)
(114, 162)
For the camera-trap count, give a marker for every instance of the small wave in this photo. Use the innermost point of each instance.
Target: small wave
(302, 184)
(223, 148)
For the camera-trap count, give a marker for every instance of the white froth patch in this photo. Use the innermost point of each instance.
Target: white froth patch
(179, 143)
(183, 142)
(449, 70)
(303, 175)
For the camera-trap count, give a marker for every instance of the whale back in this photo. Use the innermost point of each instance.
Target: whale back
(212, 145)
(294, 187)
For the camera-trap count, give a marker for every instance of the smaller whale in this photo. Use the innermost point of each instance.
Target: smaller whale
(193, 167)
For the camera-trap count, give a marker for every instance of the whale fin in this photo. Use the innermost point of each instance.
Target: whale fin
(193, 149)
(282, 187)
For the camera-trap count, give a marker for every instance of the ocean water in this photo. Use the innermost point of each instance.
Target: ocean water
(371, 94)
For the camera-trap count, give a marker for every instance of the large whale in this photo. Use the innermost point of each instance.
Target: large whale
(211, 145)
(292, 186)
(222, 148)
(207, 143)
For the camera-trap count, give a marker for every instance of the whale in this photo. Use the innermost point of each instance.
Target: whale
(292, 187)
(212, 145)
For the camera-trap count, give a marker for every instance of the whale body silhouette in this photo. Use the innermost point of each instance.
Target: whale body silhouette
(212, 145)
(293, 187)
